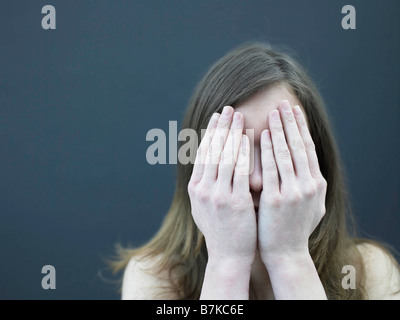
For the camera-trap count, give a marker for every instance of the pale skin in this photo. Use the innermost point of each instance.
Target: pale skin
(256, 226)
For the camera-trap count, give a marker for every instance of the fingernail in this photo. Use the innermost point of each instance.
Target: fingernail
(227, 110)
(286, 105)
(266, 139)
(243, 145)
(297, 110)
(275, 114)
(237, 116)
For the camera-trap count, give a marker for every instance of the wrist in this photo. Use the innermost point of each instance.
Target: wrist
(286, 259)
(294, 276)
(226, 279)
(229, 265)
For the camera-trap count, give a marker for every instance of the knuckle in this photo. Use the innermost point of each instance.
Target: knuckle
(310, 191)
(301, 121)
(309, 145)
(290, 117)
(277, 128)
(202, 194)
(219, 200)
(224, 124)
(273, 200)
(297, 144)
(267, 145)
(294, 197)
(283, 153)
(287, 166)
(269, 165)
(322, 184)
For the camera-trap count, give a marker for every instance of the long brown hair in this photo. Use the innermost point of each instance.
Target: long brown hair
(233, 79)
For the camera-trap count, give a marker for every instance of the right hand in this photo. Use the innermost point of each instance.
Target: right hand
(221, 202)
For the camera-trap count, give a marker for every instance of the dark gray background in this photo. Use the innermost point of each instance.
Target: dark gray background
(76, 104)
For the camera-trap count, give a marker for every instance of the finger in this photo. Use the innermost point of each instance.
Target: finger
(308, 143)
(230, 152)
(282, 154)
(269, 168)
(241, 173)
(294, 141)
(217, 144)
(198, 167)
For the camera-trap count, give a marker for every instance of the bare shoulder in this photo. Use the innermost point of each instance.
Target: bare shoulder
(143, 281)
(382, 274)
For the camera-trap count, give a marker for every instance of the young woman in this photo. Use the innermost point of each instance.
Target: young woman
(262, 212)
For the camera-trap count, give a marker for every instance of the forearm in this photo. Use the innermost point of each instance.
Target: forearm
(226, 280)
(294, 277)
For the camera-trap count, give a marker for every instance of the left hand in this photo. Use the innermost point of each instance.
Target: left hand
(289, 210)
